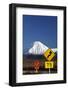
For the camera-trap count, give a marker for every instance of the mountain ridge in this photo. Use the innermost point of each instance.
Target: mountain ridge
(39, 48)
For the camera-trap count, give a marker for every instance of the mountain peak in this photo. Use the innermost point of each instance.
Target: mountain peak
(38, 48)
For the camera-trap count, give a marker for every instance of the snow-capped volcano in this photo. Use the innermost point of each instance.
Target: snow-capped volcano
(38, 48)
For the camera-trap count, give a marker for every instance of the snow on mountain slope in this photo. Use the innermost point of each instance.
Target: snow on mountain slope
(54, 49)
(38, 48)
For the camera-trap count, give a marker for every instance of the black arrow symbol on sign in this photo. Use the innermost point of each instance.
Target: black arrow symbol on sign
(49, 54)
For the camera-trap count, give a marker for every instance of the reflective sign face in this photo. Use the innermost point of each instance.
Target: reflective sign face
(49, 54)
(49, 64)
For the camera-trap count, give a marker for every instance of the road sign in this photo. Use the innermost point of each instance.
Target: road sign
(49, 54)
(49, 64)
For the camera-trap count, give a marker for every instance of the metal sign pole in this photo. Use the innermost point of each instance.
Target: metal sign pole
(49, 70)
(49, 67)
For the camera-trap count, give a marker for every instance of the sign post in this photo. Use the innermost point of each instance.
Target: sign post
(49, 64)
(49, 54)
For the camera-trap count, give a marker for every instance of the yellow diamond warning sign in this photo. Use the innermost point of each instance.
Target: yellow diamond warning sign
(49, 64)
(49, 54)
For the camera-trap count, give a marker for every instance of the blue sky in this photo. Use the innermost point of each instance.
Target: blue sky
(40, 28)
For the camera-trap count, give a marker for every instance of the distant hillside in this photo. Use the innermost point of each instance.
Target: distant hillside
(33, 57)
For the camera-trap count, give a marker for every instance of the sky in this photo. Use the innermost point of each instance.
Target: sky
(39, 28)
